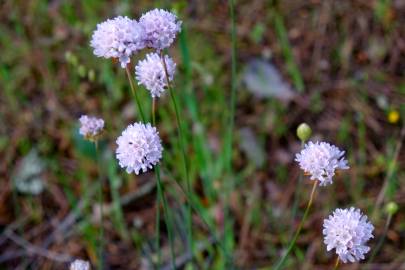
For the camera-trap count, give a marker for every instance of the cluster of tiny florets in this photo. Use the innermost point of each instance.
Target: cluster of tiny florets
(161, 28)
(90, 127)
(79, 265)
(321, 160)
(121, 37)
(150, 72)
(347, 231)
(118, 38)
(139, 148)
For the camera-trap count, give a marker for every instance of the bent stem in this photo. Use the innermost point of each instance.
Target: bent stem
(292, 243)
(336, 264)
(185, 166)
(101, 200)
(134, 93)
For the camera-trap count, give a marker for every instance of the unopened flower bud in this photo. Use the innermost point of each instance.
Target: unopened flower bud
(391, 208)
(304, 132)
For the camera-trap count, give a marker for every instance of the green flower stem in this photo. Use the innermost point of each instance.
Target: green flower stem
(200, 214)
(381, 240)
(158, 197)
(161, 198)
(292, 243)
(297, 192)
(168, 221)
(181, 139)
(131, 83)
(101, 201)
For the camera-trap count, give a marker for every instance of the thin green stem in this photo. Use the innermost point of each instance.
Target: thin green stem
(134, 93)
(101, 201)
(297, 192)
(389, 175)
(159, 253)
(158, 197)
(166, 215)
(183, 150)
(200, 214)
(161, 198)
(292, 243)
(381, 240)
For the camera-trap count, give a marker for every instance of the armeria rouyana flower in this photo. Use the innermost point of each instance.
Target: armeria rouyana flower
(320, 160)
(150, 73)
(347, 231)
(161, 28)
(90, 127)
(139, 148)
(79, 265)
(118, 38)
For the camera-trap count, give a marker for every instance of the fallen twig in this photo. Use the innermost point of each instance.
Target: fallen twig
(35, 250)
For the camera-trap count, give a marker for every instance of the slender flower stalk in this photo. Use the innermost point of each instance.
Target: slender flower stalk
(134, 93)
(161, 199)
(336, 263)
(292, 243)
(297, 192)
(101, 202)
(391, 208)
(158, 197)
(181, 139)
(168, 218)
(91, 129)
(303, 133)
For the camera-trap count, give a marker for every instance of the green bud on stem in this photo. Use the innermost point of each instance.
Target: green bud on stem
(304, 131)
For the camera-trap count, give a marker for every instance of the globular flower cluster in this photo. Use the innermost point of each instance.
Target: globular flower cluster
(347, 231)
(150, 72)
(118, 38)
(79, 265)
(121, 37)
(321, 160)
(161, 28)
(139, 148)
(90, 127)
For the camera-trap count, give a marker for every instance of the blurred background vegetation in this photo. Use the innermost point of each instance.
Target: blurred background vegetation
(336, 65)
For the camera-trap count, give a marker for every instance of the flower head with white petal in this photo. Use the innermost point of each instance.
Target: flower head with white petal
(79, 265)
(90, 127)
(150, 73)
(321, 160)
(161, 28)
(139, 148)
(347, 231)
(118, 38)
